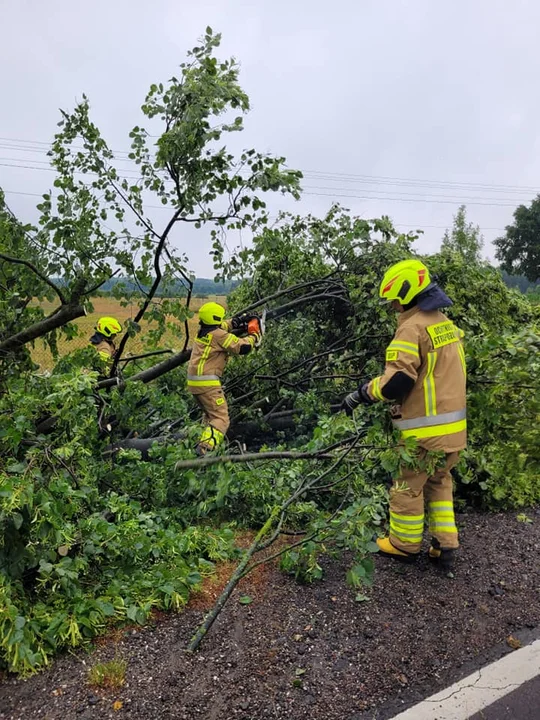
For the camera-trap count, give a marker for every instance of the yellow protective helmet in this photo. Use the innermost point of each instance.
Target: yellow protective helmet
(108, 326)
(404, 281)
(211, 313)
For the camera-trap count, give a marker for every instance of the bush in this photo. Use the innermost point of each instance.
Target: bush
(501, 466)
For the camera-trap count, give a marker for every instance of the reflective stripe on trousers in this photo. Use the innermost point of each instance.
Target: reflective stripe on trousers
(441, 517)
(407, 528)
(203, 381)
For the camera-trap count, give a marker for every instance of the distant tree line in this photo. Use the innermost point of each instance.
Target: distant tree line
(201, 287)
(521, 283)
(207, 286)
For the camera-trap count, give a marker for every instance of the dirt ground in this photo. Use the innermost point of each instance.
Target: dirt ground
(313, 651)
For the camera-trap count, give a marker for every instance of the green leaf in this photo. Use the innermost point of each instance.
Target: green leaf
(16, 467)
(20, 622)
(107, 608)
(245, 600)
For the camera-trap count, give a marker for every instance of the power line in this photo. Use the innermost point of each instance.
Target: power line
(40, 162)
(46, 150)
(29, 142)
(347, 177)
(418, 200)
(320, 176)
(335, 176)
(402, 192)
(164, 207)
(344, 192)
(441, 227)
(20, 192)
(51, 169)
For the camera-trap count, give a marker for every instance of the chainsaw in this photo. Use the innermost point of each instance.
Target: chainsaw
(257, 325)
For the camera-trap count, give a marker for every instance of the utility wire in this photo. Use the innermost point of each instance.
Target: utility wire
(418, 200)
(347, 177)
(345, 192)
(42, 147)
(164, 207)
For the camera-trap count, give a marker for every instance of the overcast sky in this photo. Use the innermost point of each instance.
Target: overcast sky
(409, 108)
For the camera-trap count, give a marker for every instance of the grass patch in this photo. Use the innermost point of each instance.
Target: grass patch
(110, 674)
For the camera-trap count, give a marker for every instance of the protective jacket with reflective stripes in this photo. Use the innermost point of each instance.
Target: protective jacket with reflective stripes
(427, 348)
(209, 356)
(105, 349)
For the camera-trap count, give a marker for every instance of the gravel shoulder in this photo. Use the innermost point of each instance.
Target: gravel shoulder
(313, 651)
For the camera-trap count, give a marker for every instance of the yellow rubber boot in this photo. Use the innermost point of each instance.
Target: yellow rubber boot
(388, 550)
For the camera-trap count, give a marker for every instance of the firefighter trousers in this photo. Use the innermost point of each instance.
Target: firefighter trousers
(407, 497)
(215, 416)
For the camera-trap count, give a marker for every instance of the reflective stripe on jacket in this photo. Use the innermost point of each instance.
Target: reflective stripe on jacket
(427, 347)
(209, 356)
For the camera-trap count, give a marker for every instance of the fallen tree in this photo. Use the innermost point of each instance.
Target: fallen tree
(91, 539)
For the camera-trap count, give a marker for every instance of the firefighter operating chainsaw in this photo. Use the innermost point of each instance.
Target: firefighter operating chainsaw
(214, 344)
(424, 379)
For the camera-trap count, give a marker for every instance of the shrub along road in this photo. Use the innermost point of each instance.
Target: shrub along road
(314, 651)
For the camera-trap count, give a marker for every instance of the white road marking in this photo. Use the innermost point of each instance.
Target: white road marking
(481, 689)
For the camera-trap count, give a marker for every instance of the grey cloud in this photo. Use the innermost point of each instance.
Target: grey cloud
(418, 89)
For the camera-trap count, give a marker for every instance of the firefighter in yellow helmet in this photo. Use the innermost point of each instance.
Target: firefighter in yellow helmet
(210, 353)
(107, 328)
(424, 379)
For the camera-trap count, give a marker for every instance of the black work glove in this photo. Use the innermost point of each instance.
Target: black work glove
(356, 398)
(240, 322)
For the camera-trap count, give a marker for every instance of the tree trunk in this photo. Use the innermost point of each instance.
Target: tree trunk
(152, 373)
(231, 585)
(63, 315)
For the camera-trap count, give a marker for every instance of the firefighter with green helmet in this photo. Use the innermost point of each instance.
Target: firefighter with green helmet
(425, 380)
(106, 330)
(214, 343)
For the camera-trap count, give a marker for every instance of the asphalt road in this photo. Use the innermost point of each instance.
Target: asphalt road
(521, 704)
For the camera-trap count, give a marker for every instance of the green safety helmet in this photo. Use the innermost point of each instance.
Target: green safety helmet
(108, 326)
(211, 313)
(404, 281)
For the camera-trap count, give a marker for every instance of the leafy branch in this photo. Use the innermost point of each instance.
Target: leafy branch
(276, 517)
(36, 271)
